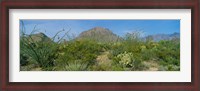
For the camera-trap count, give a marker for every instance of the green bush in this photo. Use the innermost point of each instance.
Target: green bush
(128, 62)
(76, 65)
(40, 49)
(126, 59)
(168, 53)
(23, 59)
(43, 52)
(83, 50)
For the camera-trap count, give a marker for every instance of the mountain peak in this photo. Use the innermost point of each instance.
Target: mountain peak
(98, 27)
(99, 34)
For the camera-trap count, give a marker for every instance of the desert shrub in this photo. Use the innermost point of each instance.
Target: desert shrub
(76, 65)
(173, 68)
(23, 59)
(83, 50)
(148, 55)
(26, 67)
(117, 49)
(42, 52)
(169, 54)
(117, 67)
(126, 59)
(148, 49)
(128, 52)
(130, 43)
(129, 62)
(39, 48)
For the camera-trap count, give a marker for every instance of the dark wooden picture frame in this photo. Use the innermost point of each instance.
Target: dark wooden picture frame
(100, 4)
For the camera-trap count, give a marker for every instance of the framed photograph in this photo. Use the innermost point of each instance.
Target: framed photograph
(100, 45)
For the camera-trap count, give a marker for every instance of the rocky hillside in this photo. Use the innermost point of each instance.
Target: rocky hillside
(39, 37)
(99, 34)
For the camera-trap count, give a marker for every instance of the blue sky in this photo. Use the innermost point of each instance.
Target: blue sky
(119, 27)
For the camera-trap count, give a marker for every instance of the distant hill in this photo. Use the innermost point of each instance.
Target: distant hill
(99, 34)
(158, 37)
(39, 37)
(175, 35)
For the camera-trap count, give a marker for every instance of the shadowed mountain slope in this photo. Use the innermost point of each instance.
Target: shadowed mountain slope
(38, 37)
